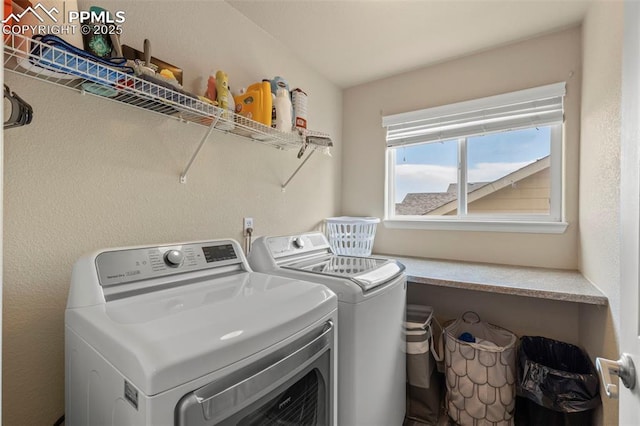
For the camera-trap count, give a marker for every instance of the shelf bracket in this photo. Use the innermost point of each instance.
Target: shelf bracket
(183, 175)
(317, 141)
(284, 185)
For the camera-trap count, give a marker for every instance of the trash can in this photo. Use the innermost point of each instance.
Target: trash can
(424, 384)
(557, 384)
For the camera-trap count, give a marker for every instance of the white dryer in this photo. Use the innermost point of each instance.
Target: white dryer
(187, 334)
(371, 312)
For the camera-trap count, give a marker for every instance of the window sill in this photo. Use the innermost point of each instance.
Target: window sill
(531, 227)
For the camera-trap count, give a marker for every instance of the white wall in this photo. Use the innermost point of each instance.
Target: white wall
(89, 174)
(543, 60)
(600, 180)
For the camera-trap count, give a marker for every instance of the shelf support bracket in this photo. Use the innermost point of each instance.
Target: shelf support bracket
(284, 185)
(183, 175)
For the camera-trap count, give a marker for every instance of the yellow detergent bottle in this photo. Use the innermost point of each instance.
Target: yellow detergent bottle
(255, 103)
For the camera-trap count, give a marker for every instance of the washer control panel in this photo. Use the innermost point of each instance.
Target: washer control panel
(298, 244)
(129, 265)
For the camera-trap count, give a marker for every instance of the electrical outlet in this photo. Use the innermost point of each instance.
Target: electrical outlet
(247, 223)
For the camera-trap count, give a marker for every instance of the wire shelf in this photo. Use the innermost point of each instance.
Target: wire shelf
(44, 62)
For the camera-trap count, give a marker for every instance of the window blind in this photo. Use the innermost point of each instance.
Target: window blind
(539, 106)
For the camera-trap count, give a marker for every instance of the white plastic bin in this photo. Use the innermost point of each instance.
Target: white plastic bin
(351, 236)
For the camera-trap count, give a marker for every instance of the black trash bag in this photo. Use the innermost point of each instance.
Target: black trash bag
(557, 375)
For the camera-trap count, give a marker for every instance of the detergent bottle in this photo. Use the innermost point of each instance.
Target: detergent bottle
(282, 106)
(277, 83)
(267, 103)
(255, 103)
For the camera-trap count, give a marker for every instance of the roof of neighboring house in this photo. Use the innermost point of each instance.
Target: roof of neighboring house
(422, 203)
(471, 186)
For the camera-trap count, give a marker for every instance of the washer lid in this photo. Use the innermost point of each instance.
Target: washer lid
(163, 339)
(367, 272)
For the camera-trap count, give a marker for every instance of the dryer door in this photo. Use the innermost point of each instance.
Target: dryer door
(292, 386)
(302, 403)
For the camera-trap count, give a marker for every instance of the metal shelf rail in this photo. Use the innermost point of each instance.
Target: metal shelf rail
(54, 65)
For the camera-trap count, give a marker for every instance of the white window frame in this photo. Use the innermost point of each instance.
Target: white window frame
(554, 222)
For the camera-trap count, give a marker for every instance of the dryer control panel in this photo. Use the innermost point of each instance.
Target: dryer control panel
(136, 264)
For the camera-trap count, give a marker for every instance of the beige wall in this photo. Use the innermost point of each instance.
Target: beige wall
(543, 60)
(89, 174)
(600, 179)
(591, 242)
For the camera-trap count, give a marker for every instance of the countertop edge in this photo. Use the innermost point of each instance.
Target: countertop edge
(513, 291)
(571, 285)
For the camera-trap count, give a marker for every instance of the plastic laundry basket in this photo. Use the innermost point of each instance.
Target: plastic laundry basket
(351, 236)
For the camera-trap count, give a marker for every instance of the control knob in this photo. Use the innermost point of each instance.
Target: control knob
(298, 242)
(173, 258)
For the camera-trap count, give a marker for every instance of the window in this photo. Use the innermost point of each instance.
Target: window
(488, 164)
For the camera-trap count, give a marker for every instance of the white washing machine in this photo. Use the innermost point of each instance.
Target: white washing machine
(371, 310)
(187, 334)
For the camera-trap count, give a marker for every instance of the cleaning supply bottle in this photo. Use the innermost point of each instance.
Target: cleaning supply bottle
(231, 102)
(266, 105)
(223, 94)
(299, 101)
(276, 83)
(211, 92)
(283, 110)
(222, 89)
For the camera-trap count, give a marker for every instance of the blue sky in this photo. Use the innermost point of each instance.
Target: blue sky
(432, 167)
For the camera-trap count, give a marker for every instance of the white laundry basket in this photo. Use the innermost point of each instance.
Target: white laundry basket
(351, 236)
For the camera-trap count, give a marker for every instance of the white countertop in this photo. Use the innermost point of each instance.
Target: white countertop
(554, 284)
